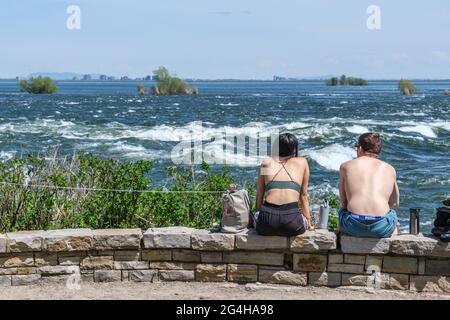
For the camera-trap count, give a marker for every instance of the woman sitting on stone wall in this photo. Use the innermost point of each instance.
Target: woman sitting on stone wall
(282, 182)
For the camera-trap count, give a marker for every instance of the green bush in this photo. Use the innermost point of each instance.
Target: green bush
(38, 85)
(346, 81)
(168, 85)
(74, 192)
(406, 87)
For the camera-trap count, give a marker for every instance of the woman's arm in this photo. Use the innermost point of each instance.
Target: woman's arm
(260, 189)
(304, 199)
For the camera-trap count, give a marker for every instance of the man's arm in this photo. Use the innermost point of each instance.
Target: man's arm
(394, 199)
(342, 194)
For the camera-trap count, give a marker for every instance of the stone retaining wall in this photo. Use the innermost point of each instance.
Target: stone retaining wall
(315, 258)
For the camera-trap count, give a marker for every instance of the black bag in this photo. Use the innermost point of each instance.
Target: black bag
(442, 224)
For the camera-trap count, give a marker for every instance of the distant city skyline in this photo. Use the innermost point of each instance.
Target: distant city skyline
(231, 39)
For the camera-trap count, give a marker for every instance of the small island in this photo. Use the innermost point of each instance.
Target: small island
(406, 87)
(169, 85)
(346, 81)
(38, 85)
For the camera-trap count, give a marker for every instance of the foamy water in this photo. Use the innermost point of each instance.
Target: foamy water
(110, 120)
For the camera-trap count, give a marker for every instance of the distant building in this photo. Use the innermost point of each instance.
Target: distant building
(278, 78)
(124, 78)
(148, 78)
(111, 78)
(87, 77)
(103, 77)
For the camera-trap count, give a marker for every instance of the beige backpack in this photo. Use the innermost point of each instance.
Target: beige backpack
(236, 209)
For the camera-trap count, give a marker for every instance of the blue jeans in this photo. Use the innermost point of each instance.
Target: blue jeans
(382, 228)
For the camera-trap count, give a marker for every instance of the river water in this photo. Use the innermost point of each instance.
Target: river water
(110, 119)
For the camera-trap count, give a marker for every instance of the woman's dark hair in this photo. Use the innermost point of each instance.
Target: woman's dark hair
(287, 145)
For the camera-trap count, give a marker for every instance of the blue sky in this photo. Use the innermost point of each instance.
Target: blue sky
(247, 39)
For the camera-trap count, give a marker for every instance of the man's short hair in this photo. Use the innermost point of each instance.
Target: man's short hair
(370, 142)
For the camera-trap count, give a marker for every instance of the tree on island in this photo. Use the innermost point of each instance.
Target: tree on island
(346, 81)
(406, 87)
(141, 89)
(169, 85)
(38, 85)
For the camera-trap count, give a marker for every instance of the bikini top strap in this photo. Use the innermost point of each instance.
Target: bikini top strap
(283, 167)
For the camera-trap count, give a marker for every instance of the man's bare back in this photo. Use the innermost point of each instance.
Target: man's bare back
(368, 186)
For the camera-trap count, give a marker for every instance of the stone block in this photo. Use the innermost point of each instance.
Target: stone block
(399, 281)
(373, 264)
(68, 240)
(126, 255)
(375, 281)
(254, 257)
(185, 255)
(420, 245)
(310, 262)
(211, 257)
(335, 258)
(437, 267)
(172, 265)
(325, 279)
(17, 260)
(42, 259)
(354, 259)
(107, 275)
(131, 265)
(171, 237)
(360, 245)
(26, 270)
(143, 275)
(8, 271)
(429, 283)
(117, 239)
(400, 265)
(242, 273)
(313, 241)
(5, 281)
(69, 260)
(58, 270)
(251, 240)
(25, 280)
(281, 276)
(156, 254)
(212, 241)
(25, 241)
(3, 244)
(211, 272)
(176, 275)
(97, 262)
(346, 268)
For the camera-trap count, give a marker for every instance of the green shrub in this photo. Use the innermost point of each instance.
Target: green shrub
(75, 192)
(38, 85)
(168, 85)
(346, 81)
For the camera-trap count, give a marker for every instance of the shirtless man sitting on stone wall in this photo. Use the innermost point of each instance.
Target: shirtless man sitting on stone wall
(368, 191)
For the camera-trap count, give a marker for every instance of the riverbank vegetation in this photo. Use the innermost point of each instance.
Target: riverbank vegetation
(169, 85)
(406, 87)
(346, 81)
(38, 85)
(86, 191)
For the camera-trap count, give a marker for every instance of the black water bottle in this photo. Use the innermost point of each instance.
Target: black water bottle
(414, 222)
